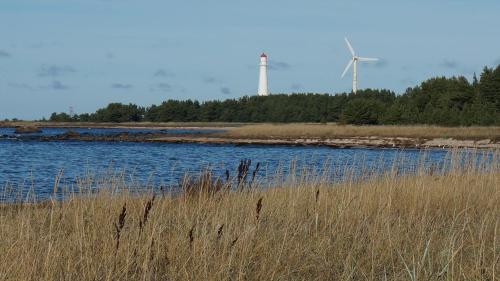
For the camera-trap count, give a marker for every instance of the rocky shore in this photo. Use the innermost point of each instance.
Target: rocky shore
(371, 142)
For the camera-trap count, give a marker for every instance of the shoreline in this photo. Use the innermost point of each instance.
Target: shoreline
(359, 142)
(346, 142)
(307, 134)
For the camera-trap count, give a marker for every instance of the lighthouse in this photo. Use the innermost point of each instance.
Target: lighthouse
(263, 91)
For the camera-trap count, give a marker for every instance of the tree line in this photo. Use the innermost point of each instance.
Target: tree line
(443, 101)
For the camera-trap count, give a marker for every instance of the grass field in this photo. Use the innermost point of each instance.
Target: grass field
(339, 131)
(429, 226)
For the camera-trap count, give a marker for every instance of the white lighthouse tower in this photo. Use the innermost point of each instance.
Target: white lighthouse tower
(263, 91)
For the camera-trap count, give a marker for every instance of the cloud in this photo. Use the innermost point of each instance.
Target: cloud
(122, 86)
(4, 54)
(497, 62)
(296, 86)
(54, 85)
(407, 81)
(278, 65)
(381, 63)
(37, 45)
(163, 73)
(225, 91)
(272, 65)
(163, 42)
(457, 67)
(161, 87)
(55, 70)
(450, 64)
(57, 85)
(211, 80)
(406, 68)
(23, 86)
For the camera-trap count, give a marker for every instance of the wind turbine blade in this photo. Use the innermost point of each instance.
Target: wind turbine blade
(349, 46)
(346, 68)
(367, 59)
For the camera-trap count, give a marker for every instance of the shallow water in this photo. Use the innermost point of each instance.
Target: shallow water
(34, 165)
(9, 132)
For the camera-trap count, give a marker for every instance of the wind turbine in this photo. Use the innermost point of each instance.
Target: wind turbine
(354, 61)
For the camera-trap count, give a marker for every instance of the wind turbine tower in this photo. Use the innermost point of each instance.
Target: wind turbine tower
(263, 91)
(354, 62)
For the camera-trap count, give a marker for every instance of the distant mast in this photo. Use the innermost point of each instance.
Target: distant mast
(263, 91)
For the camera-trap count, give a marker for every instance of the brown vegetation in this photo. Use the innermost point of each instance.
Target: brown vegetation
(266, 131)
(27, 129)
(430, 226)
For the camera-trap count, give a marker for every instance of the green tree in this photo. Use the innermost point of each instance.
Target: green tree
(363, 112)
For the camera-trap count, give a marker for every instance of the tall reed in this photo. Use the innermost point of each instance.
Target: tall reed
(433, 224)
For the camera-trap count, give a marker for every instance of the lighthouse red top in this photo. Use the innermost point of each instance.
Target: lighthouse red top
(263, 55)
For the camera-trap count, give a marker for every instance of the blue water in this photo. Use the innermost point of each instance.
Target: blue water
(34, 165)
(10, 132)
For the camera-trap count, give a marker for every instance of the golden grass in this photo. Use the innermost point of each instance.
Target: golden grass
(421, 227)
(338, 131)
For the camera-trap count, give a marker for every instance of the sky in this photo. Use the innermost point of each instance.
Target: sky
(84, 54)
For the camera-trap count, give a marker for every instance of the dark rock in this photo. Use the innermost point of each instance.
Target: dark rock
(71, 133)
(27, 130)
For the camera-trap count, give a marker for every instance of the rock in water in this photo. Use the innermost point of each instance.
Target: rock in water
(71, 133)
(27, 130)
(68, 135)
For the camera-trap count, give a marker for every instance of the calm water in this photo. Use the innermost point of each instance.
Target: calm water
(10, 132)
(34, 165)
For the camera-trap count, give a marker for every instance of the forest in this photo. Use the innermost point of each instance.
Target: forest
(441, 101)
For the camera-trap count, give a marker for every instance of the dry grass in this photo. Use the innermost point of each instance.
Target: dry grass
(423, 227)
(266, 131)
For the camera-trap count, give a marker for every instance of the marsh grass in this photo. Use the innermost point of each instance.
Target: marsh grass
(266, 131)
(435, 224)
